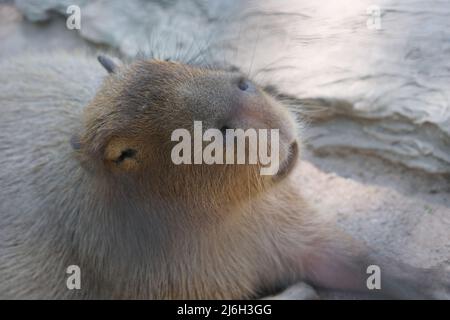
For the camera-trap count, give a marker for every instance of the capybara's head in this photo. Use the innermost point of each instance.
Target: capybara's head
(184, 131)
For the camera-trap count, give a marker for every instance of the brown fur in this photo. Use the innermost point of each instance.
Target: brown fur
(140, 226)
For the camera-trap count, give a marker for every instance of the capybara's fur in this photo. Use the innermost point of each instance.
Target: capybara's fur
(86, 179)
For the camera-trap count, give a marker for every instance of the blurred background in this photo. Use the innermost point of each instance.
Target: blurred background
(369, 80)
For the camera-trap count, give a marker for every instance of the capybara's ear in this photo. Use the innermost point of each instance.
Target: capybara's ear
(108, 63)
(118, 154)
(121, 154)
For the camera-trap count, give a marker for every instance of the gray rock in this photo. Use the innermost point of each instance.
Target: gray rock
(172, 26)
(381, 92)
(40, 10)
(18, 35)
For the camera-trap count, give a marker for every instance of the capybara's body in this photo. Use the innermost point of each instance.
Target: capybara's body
(86, 180)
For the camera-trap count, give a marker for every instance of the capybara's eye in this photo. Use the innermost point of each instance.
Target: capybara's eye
(243, 84)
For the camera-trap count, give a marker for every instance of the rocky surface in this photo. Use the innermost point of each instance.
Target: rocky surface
(19, 35)
(365, 95)
(396, 212)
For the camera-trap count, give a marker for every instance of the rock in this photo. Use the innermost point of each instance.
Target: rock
(380, 92)
(18, 35)
(140, 26)
(411, 227)
(389, 221)
(40, 10)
